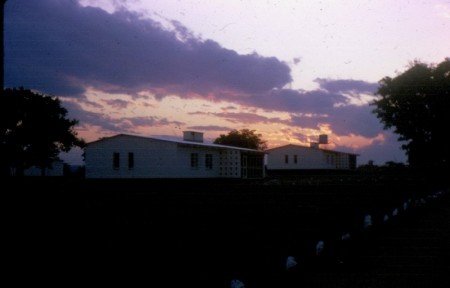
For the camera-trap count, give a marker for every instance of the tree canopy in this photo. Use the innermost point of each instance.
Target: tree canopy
(34, 129)
(416, 104)
(244, 138)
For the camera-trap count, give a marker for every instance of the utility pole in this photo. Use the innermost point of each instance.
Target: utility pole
(2, 39)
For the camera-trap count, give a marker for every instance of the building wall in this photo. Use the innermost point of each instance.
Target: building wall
(150, 157)
(298, 157)
(154, 158)
(230, 163)
(204, 169)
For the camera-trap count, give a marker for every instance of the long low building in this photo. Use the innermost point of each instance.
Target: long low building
(131, 156)
(295, 157)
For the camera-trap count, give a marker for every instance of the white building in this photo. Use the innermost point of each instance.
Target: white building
(129, 156)
(296, 157)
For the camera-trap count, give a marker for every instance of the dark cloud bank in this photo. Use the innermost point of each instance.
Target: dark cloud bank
(59, 47)
(121, 125)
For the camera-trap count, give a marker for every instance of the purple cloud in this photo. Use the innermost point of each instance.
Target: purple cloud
(117, 103)
(246, 118)
(119, 125)
(295, 101)
(210, 128)
(300, 136)
(355, 119)
(309, 109)
(382, 152)
(347, 85)
(150, 121)
(87, 117)
(60, 47)
(325, 105)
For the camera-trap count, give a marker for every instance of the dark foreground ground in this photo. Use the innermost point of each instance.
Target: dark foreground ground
(205, 233)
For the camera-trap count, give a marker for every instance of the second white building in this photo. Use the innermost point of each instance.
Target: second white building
(293, 157)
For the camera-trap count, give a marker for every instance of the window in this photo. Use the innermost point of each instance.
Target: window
(116, 160)
(295, 159)
(208, 161)
(330, 159)
(194, 160)
(130, 160)
(286, 159)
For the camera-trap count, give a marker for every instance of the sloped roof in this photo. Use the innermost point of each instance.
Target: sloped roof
(202, 144)
(307, 147)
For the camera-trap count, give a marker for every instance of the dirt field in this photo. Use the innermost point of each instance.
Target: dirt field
(205, 233)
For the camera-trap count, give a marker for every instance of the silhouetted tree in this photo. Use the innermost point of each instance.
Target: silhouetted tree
(416, 103)
(244, 138)
(34, 129)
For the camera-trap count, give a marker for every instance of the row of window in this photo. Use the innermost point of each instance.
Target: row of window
(286, 159)
(195, 161)
(116, 160)
(330, 159)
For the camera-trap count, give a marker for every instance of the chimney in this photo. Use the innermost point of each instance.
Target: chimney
(323, 139)
(193, 136)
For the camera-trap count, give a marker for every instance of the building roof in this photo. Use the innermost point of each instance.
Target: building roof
(193, 143)
(307, 147)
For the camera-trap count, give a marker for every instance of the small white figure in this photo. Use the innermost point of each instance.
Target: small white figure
(319, 248)
(367, 221)
(395, 212)
(237, 284)
(345, 236)
(290, 263)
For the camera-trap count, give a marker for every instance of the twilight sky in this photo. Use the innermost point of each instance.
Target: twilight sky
(290, 70)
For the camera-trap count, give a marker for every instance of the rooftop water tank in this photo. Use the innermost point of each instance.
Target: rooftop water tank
(323, 139)
(193, 136)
